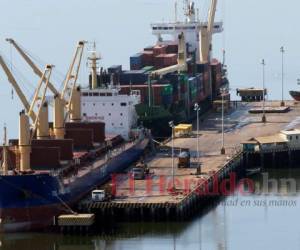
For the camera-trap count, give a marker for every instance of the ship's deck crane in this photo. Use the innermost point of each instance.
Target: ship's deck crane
(180, 66)
(43, 124)
(69, 98)
(181, 61)
(206, 34)
(25, 134)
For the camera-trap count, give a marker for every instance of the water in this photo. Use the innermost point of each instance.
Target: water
(258, 221)
(255, 29)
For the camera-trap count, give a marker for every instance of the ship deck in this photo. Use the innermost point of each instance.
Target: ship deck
(240, 126)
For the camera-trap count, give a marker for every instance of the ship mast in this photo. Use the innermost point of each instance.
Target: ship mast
(5, 153)
(190, 12)
(93, 58)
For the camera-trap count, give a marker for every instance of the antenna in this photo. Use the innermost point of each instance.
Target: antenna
(176, 12)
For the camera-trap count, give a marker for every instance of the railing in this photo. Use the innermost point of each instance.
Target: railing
(234, 160)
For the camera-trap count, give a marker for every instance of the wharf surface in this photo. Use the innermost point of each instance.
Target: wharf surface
(152, 197)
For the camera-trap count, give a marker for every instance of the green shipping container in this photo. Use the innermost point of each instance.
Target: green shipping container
(148, 68)
(168, 90)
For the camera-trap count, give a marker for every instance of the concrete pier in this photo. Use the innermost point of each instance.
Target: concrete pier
(154, 198)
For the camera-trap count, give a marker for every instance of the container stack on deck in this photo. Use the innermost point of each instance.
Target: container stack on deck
(201, 83)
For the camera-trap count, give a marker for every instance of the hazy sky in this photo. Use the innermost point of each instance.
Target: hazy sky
(254, 29)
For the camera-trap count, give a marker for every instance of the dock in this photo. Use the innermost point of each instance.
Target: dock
(155, 199)
(75, 222)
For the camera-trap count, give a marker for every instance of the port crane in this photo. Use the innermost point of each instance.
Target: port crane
(42, 117)
(206, 33)
(69, 98)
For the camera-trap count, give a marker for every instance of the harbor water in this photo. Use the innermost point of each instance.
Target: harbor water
(267, 219)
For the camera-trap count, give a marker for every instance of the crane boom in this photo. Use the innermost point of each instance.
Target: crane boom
(181, 61)
(35, 69)
(211, 18)
(15, 85)
(206, 33)
(70, 87)
(71, 74)
(40, 95)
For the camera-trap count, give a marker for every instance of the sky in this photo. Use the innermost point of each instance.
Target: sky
(49, 30)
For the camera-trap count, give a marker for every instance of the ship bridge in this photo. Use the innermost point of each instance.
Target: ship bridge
(190, 29)
(178, 27)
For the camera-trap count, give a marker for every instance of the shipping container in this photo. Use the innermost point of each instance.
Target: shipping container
(159, 49)
(158, 91)
(202, 67)
(165, 60)
(115, 69)
(133, 77)
(148, 68)
(148, 58)
(136, 61)
(149, 48)
(172, 48)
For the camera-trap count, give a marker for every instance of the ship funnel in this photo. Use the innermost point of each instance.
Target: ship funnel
(75, 114)
(24, 142)
(58, 118)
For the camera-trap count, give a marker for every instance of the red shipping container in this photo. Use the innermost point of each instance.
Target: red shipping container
(148, 58)
(160, 49)
(165, 60)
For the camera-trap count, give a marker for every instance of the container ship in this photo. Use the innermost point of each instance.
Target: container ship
(53, 165)
(173, 75)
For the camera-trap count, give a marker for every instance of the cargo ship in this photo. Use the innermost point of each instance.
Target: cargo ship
(173, 75)
(52, 165)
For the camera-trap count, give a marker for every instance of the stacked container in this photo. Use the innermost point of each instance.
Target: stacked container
(165, 60)
(148, 58)
(115, 69)
(159, 49)
(161, 93)
(192, 81)
(136, 61)
(172, 48)
(133, 77)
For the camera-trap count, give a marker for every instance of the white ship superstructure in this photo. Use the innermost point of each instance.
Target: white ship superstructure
(191, 27)
(106, 104)
(115, 110)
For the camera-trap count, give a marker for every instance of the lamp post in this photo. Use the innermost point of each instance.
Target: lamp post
(171, 124)
(264, 119)
(197, 109)
(223, 92)
(282, 104)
